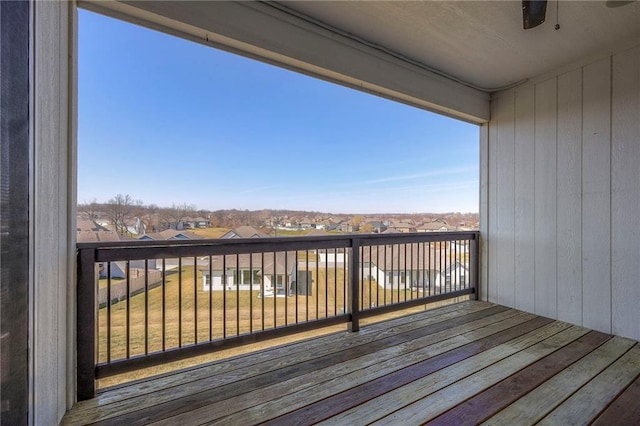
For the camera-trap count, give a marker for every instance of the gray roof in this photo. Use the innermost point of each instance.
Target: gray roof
(254, 261)
(98, 236)
(170, 234)
(407, 256)
(244, 232)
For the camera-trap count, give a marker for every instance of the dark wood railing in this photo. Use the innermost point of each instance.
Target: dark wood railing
(142, 303)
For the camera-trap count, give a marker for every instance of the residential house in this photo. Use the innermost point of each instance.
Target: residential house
(244, 232)
(83, 225)
(135, 226)
(348, 227)
(271, 274)
(170, 234)
(378, 226)
(405, 266)
(404, 227)
(201, 222)
(456, 274)
(97, 234)
(332, 257)
(437, 225)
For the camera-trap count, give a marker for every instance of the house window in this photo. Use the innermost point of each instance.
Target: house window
(278, 280)
(243, 276)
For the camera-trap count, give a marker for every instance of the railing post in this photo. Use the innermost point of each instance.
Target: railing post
(475, 265)
(354, 325)
(86, 324)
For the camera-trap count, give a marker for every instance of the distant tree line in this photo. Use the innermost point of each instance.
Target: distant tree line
(122, 209)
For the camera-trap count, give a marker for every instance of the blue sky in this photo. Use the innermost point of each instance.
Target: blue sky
(171, 121)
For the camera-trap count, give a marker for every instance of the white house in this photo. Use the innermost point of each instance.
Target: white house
(247, 272)
(404, 266)
(332, 257)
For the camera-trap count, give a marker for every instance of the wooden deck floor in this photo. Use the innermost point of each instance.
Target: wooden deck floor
(468, 363)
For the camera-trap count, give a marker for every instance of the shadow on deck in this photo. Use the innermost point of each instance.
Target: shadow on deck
(467, 363)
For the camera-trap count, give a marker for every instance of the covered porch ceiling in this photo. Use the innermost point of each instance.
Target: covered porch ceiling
(482, 42)
(444, 56)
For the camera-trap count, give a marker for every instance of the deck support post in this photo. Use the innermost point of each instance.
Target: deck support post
(474, 264)
(86, 324)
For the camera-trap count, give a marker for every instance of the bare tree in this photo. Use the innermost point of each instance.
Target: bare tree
(89, 209)
(173, 216)
(149, 218)
(119, 209)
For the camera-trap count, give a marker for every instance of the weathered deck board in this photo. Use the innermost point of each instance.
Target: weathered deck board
(624, 410)
(481, 406)
(586, 404)
(438, 402)
(537, 403)
(460, 364)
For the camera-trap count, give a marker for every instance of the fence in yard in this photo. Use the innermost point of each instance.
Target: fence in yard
(176, 299)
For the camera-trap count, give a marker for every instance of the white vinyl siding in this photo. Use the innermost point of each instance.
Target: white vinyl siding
(560, 191)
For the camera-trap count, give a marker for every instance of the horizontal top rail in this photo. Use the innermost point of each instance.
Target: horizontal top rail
(136, 249)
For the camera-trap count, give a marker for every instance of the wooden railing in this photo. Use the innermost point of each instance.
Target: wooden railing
(142, 303)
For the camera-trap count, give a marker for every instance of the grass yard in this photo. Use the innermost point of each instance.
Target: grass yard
(214, 233)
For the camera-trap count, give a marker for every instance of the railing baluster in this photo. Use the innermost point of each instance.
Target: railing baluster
(405, 272)
(237, 281)
(385, 273)
(306, 289)
(108, 311)
(195, 299)
(345, 278)
(392, 277)
(378, 276)
(354, 325)
(224, 296)
(370, 281)
(251, 293)
(287, 290)
(146, 306)
(164, 304)
(326, 285)
(274, 288)
(335, 279)
(262, 288)
(179, 302)
(128, 311)
(361, 279)
(297, 284)
(317, 287)
(210, 298)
